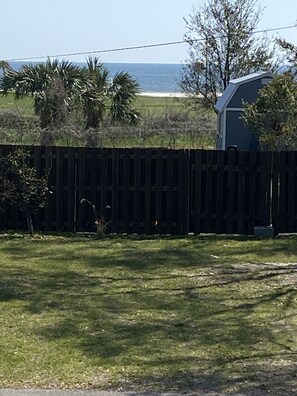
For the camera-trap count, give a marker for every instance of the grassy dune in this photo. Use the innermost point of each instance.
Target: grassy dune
(166, 122)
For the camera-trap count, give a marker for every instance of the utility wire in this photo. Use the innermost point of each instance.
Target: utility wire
(138, 46)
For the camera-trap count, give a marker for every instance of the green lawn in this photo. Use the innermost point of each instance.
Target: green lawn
(24, 106)
(166, 314)
(146, 104)
(150, 105)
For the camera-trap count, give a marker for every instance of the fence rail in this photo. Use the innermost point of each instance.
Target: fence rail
(162, 191)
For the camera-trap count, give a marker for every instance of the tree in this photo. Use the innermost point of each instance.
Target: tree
(222, 46)
(20, 185)
(94, 94)
(60, 87)
(290, 51)
(273, 117)
(52, 85)
(102, 95)
(123, 93)
(4, 65)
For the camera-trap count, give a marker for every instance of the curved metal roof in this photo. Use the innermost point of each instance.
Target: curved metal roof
(233, 86)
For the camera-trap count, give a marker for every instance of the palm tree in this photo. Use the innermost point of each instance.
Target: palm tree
(101, 91)
(4, 65)
(95, 93)
(58, 87)
(123, 93)
(52, 85)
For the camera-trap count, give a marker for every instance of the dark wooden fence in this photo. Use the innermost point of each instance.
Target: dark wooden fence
(137, 190)
(284, 195)
(160, 191)
(230, 191)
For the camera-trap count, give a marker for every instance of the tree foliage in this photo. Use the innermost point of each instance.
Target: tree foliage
(4, 65)
(222, 46)
(290, 51)
(52, 85)
(102, 95)
(94, 93)
(123, 93)
(60, 88)
(20, 185)
(273, 117)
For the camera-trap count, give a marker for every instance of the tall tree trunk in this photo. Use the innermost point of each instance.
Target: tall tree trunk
(30, 223)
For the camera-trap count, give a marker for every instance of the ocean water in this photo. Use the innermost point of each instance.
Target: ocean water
(152, 77)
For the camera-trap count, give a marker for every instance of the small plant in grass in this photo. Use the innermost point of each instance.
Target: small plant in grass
(99, 220)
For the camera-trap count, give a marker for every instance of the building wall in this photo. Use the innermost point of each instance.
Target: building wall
(248, 92)
(237, 133)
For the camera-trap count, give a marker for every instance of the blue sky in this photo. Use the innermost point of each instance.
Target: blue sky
(32, 28)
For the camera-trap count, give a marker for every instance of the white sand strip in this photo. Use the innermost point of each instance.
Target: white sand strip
(163, 94)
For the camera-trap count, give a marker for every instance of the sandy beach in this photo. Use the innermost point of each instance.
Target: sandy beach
(163, 94)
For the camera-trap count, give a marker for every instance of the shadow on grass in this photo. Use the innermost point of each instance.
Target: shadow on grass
(164, 310)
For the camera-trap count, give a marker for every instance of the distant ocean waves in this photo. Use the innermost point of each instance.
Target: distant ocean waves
(152, 77)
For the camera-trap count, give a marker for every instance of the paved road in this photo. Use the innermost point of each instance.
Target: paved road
(54, 392)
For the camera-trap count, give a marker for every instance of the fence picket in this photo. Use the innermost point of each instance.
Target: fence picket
(231, 192)
(220, 191)
(148, 192)
(291, 173)
(182, 204)
(136, 191)
(196, 188)
(71, 190)
(241, 225)
(158, 189)
(283, 192)
(275, 191)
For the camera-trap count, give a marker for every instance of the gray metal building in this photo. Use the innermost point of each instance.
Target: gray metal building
(231, 130)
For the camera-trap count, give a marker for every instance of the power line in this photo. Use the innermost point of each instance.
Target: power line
(99, 51)
(136, 47)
